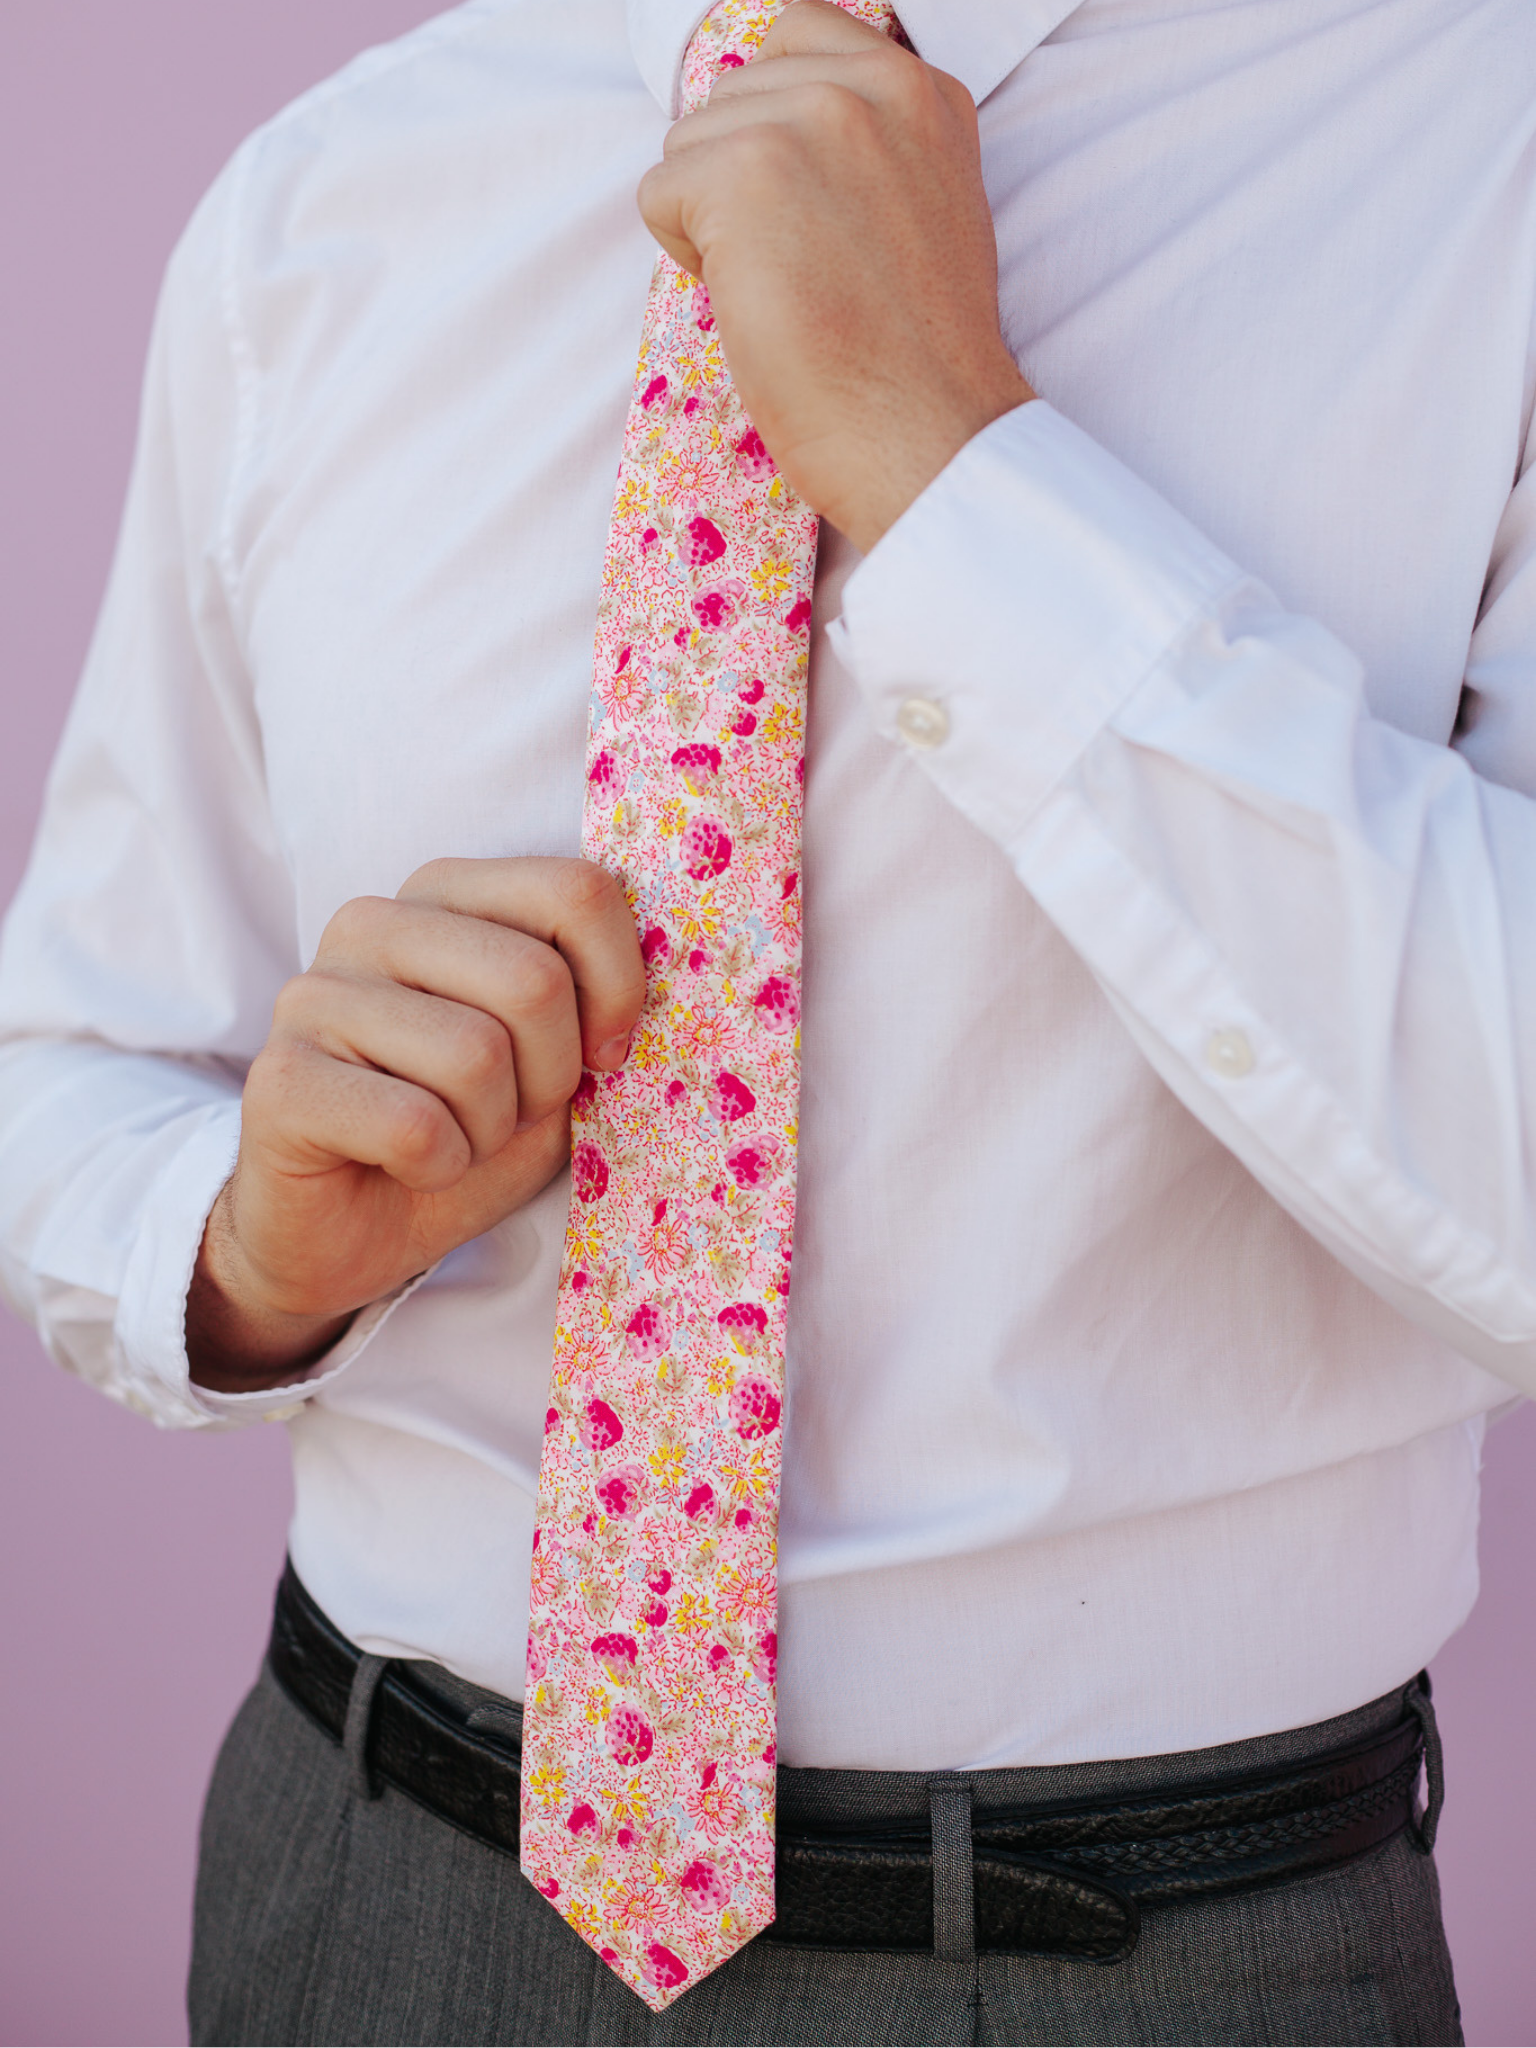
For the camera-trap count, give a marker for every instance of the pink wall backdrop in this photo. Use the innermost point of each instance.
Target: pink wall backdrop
(135, 1568)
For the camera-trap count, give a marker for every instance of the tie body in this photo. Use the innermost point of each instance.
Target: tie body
(650, 1721)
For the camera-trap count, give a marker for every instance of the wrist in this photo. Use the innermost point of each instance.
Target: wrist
(891, 478)
(237, 1342)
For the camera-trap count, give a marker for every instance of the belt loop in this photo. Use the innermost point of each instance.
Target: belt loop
(1416, 1699)
(359, 1723)
(954, 1909)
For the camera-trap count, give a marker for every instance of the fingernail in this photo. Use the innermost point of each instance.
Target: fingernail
(613, 1052)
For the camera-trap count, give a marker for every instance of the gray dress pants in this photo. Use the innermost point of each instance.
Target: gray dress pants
(330, 1911)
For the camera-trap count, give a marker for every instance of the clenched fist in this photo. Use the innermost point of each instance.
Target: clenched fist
(413, 1092)
(830, 197)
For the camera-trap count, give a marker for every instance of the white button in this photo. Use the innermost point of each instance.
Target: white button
(922, 723)
(283, 1414)
(1229, 1054)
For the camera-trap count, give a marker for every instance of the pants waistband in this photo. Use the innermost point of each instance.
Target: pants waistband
(1056, 1859)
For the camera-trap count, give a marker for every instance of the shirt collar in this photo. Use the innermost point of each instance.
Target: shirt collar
(978, 41)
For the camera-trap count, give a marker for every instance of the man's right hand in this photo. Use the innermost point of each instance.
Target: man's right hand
(413, 1092)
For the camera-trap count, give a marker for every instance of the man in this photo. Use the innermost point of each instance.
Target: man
(1165, 1221)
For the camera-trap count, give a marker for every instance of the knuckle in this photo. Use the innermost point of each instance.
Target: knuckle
(587, 889)
(431, 883)
(414, 1127)
(357, 926)
(481, 1050)
(543, 981)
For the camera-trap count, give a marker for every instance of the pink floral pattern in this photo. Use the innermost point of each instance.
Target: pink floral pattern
(649, 1733)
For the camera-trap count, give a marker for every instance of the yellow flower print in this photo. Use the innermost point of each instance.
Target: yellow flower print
(781, 724)
(628, 1805)
(697, 921)
(547, 1783)
(633, 494)
(586, 1920)
(694, 1611)
(771, 577)
(747, 1474)
(668, 1464)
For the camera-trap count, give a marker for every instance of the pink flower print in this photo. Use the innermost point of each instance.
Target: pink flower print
(706, 849)
(609, 1955)
(744, 1323)
(715, 1805)
(751, 692)
(718, 1656)
(654, 946)
(752, 458)
(700, 1504)
(730, 62)
(583, 1820)
(690, 406)
(715, 609)
(629, 1736)
(745, 725)
(730, 1098)
(550, 1887)
(662, 1968)
(755, 1407)
(619, 1656)
(703, 543)
(765, 1658)
(649, 1331)
(589, 1171)
(600, 1427)
(648, 540)
(666, 1246)
(697, 961)
(777, 1004)
(787, 886)
(586, 1091)
(578, 1282)
(654, 1613)
(654, 392)
(703, 313)
(698, 765)
(660, 1582)
(538, 1663)
(604, 776)
(755, 1160)
(705, 1886)
(744, 1518)
(551, 1420)
(676, 1090)
(620, 1492)
(799, 619)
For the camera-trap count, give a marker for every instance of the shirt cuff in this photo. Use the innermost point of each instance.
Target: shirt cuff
(1016, 605)
(152, 1307)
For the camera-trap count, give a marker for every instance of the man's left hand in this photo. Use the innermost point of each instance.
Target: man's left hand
(830, 197)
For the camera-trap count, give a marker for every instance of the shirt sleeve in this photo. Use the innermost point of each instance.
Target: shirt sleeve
(155, 924)
(1320, 930)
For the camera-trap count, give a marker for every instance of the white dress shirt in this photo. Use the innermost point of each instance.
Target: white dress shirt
(1168, 1151)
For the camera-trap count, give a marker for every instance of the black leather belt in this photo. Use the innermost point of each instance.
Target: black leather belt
(1066, 1881)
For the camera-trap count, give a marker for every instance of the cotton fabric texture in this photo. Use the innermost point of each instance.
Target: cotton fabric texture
(324, 1915)
(1165, 1201)
(652, 1730)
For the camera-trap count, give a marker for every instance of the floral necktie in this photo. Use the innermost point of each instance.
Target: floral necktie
(650, 1722)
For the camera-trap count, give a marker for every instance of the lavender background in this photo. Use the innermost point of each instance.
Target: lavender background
(136, 1568)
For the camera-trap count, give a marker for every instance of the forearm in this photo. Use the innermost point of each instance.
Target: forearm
(1318, 927)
